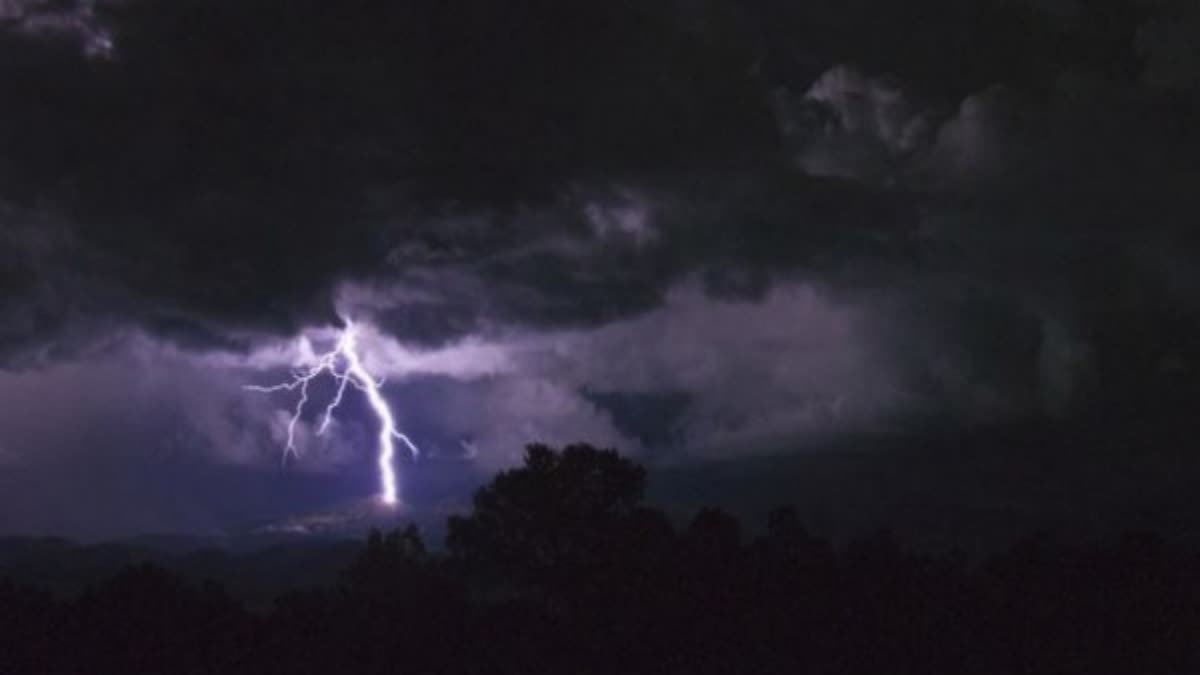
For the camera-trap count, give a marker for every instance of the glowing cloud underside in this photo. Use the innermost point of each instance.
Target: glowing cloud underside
(344, 364)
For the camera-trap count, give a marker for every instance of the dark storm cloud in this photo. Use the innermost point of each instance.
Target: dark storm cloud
(1168, 43)
(474, 166)
(226, 163)
(229, 161)
(696, 228)
(597, 255)
(948, 48)
(1039, 210)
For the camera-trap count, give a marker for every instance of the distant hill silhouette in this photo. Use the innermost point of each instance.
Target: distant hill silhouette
(255, 567)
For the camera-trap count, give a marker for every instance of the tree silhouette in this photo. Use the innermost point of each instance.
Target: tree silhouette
(560, 514)
(386, 560)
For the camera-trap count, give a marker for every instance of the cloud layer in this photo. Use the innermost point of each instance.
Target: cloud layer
(698, 229)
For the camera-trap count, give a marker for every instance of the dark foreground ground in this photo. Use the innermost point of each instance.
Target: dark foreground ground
(559, 567)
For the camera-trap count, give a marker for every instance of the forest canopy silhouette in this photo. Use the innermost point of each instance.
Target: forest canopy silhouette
(560, 566)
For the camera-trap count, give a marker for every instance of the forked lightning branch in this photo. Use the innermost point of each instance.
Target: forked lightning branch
(344, 364)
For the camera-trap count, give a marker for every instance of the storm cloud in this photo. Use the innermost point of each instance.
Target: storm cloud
(692, 229)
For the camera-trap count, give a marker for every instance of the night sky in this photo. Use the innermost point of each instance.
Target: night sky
(848, 254)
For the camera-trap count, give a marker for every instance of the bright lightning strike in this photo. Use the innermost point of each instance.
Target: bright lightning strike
(344, 364)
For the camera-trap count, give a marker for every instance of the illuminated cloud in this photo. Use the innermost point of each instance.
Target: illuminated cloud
(650, 228)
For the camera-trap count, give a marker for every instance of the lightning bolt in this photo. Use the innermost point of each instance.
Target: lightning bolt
(344, 364)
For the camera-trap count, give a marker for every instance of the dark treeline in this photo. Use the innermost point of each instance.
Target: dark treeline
(561, 568)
